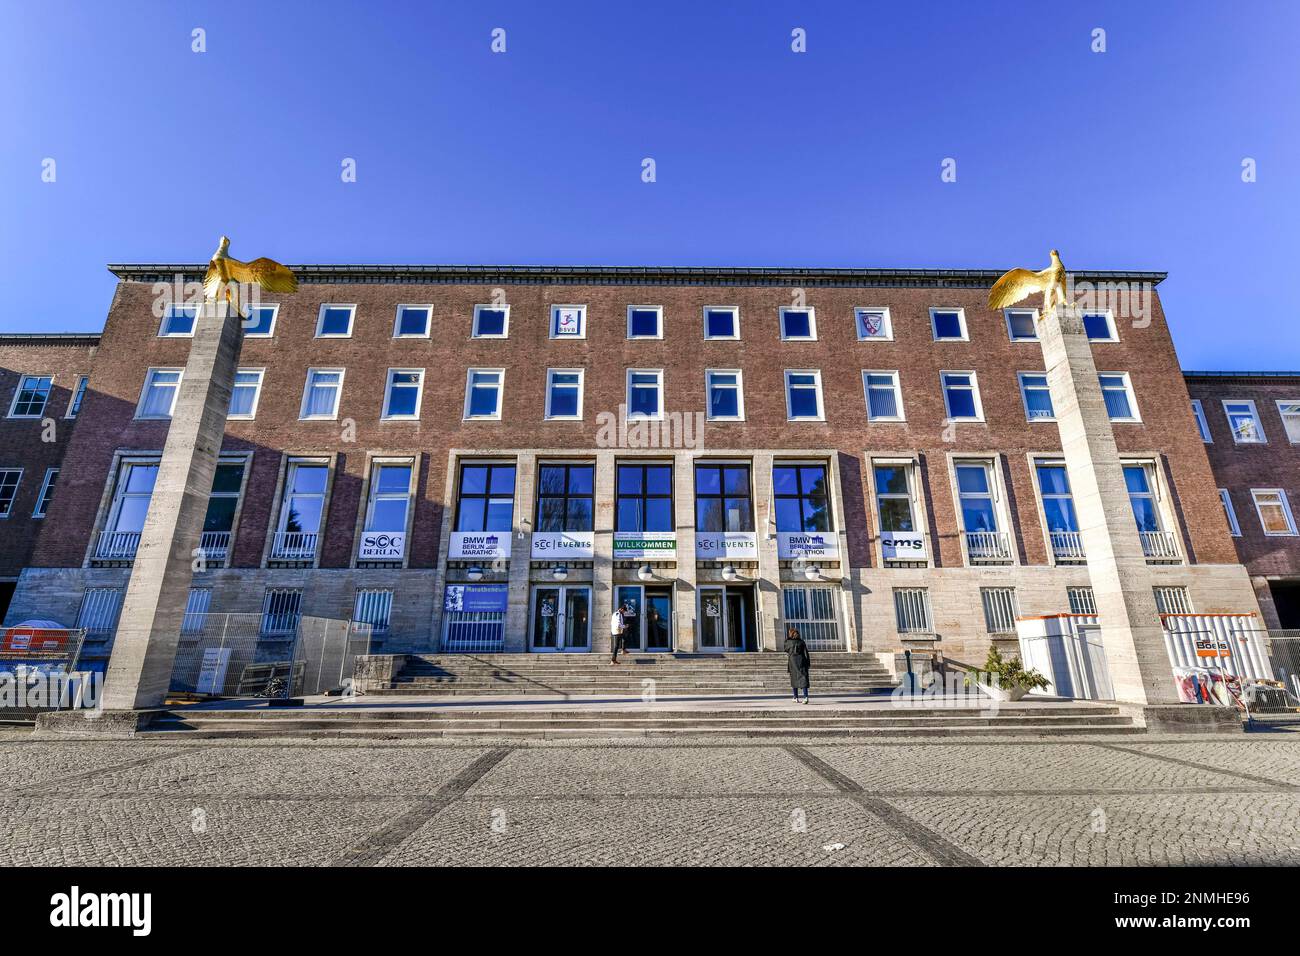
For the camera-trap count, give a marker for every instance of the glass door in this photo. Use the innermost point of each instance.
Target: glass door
(629, 596)
(577, 619)
(658, 619)
(562, 618)
(712, 625)
(546, 619)
(726, 618)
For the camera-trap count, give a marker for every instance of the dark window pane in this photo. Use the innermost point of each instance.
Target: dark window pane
(503, 480)
(659, 480)
(739, 515)
(736, 481)
(721, 322)
(708, 514)
(816, 515)
(708, 481)
(550, 514)
(787, 514)
(645, 322)
(551, 480)
(580, 478)
(629, 479)
(891, 480)
(473, 480)
(227, 478)
(798, 325)
(491, 321)
(471, 515)
(579, 516)
(785, 481)
(658, 515)
(628, 515)
(221, 514)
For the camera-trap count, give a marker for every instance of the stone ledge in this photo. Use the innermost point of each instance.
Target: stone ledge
(95, 723)
(1188, 719)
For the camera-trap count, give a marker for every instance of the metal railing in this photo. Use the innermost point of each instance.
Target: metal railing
(1159, 544)
(988, 546)
(117, 545)
(215, 545)
(1067, 546)
(294, 546)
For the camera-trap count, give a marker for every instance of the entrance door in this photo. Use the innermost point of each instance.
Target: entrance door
(562, 618)
(726, 619)
(649, 626)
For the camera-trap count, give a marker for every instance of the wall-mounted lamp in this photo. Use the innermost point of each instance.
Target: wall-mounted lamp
(645, 573)
(729, 572)
(559, 572)
(812, 572)
(475, 573)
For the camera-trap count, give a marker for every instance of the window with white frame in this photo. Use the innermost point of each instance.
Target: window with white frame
(131, 496)
(246, 393)
(374, 608)
(976, 489)
(1022, 324)
(948, 325)
(568, 321)
(645, 393)
(412, 321)
(798, 324)
(721, 322)
(1117, 392)
(999, 610)
(281, 612)
(1244, 422)
(874, 325)
(1274, 511)
(1058, 505)
(1140, 481)
(491, 322)
(564, 387)
(402, 393)
(645, 322)
(390, 497)
(178, 321)
(483, 387)
(803, 395)
(1172, 600)
(1202, 426)
(1100, 326)
(726, 398)
(895, 498)
(158, 397)
(335, 321)
(30, 396)
(195, 617)
(1229, 512)
(260, 322)
(99, 611)
(912, 611)
(884, 396)
(1081, 600)
(78, 396)
(9, 479)
(320, 396)
(1290, 412)
(1036, 396)
(302, 511)
(46, 494)
(961, 397)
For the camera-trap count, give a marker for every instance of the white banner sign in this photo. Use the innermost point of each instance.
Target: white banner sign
(381, 546)
(645, 545)
(212, 670)
(903, 545)
(563, 544)
(726, 545)
(480, 544)
(822, 545)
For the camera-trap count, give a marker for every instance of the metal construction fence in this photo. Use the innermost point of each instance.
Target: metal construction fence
(1284, 656)
(40, 670)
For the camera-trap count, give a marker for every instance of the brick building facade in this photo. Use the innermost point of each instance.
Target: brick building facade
(499, 456)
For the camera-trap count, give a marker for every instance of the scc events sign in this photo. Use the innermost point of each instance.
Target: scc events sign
(382, 546)
(480, 544)
(903, 545)
(726, 545)
(563, 544)
(808, 544)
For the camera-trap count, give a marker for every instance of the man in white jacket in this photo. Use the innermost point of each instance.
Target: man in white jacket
(617, 628)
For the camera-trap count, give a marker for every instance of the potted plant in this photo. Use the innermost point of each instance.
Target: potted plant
(1006, 680)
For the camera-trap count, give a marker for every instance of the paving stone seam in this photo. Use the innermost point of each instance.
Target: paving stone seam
(1270, 782)
(39, 789)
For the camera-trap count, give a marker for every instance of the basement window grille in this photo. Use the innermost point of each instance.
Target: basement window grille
(999, 610)
(375, 608)
(281, 612)
(196, 610)
(1081, 600)
(912, 610)
(1173, 600)
(98, 614)
(812, 611)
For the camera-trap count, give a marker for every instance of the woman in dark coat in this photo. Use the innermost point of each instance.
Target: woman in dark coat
(799, 662)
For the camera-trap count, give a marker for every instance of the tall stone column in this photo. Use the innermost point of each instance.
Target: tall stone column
(521, 554)
(685, 593)
(144, 650)
(767, 582)
(602, 561)
(1121, 580)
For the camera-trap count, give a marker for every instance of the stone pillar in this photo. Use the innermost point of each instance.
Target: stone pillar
(1121, 580)
(686, 640)
(602, 561)
(519, 593)
(144, 650)
(768, 579)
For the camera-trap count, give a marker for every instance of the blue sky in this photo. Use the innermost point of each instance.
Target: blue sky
(1129, 158)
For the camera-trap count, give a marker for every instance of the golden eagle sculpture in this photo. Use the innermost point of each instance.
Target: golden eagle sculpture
(225, 274)
(1021, 283)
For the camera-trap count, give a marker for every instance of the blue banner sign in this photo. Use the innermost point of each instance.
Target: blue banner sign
(476, 598)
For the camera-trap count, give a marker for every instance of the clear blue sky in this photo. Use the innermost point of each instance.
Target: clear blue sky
(1125, 159)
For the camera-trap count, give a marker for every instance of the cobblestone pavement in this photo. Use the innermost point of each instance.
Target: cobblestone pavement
(1081, 801)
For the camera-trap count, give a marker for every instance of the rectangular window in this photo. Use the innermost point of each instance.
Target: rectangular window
(335, 321)
(178, 320)
(798, 324)
(487, 497)
(721, 322)
(1172, 600)
(874, 325)
(281, 612)
(1022, 325)
(564, 393)
(1202, 426)
(975, 491)
(948, 325)
(1117, 391)
(645, 322)
(303, 510)
(1290, 412)
(723, 498)
(912, 610)
(158, 397)
(197, 603)
(9, 479)
(803, 395)
(812, 611)
(645, 388)
(726, 398)
(260, 323)
(1100, 326)
(1036, 396)
(1274, 511)
(1244, 423)
(483, 393)
(999, 610)
(884, 396)
(1058, 512)
(98, 613)
(78, 396)
(131, 496)
(961, 397)
(402, 394)
(568, 321)
(46, 494)
(491, 321)
(645, 498)
(223, 502)
(1081, 600)
(565, 497)
(320, 397)
(246, 393)
(30, 396)
(894, 497)
(1229, 512)
(1142, 497)
(374, 607)
(801, 497)
(412, 321)
(390, 497)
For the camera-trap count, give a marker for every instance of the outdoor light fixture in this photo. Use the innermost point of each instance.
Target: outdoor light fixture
(729, 572)
(812, 572)
(559, 572)
(475, 573)
(645, 573)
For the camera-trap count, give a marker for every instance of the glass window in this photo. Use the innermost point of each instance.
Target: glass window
(9, 479)
(281, 612)
(195, 617)
(1290, 412)
(644, 322)
(402, 397)
(874, 324)
(335, 321)
(245, 394)
(1141, 496)
(1021, 325)
(1081, 600)
(961, 396)
(1202, 426)
(390, 497)
(78, 396)
(1274, 511)
(1229, 512)
(801, 497)
(487, 497)
(46, 494)
(223, 501)
(803, 395)
(723, 501)
(1058, 502)
(948, 324)
(975, 490)
(645, 393)
(645, 498)
(304, 501)
(131, 498)
(30, 396)
(178, 320)
(320, 398)
(564, 497)
(1037, 397)
(1118, 394)
(1172, 600)
(884, 398)
(999, 610)
(374, 607)
(726, 398)
(412, 321)
(483, 393)
(894, 497)
(260, 322)
(721, 322)
(812, 611)
(99, 611)
(1099, 326)
(564, 393)
(912, 610)
(798, 324)
(158, 397)
(568, 321)
(1243, 422)
(491, 321)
